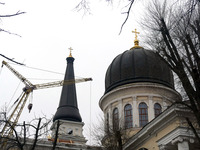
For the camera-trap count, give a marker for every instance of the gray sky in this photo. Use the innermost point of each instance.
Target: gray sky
(48, 29)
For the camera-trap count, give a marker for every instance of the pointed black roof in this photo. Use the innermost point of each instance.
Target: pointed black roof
(68, 107)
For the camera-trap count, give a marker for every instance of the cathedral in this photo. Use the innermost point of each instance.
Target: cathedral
(140, 101)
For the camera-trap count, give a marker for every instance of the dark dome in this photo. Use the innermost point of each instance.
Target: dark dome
(137, 65)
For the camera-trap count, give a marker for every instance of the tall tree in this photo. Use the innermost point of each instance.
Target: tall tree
(174, 32)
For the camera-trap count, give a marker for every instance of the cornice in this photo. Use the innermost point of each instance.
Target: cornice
(178, 135)
(140, 86)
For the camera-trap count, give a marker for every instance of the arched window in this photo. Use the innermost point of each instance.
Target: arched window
(157, 109)
(115, 119)
(143, 114)
(128, 117)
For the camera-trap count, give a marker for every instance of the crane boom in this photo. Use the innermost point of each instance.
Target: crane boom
(60, 83)
(21, 77)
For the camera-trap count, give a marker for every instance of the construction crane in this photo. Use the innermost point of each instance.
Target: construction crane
(29, 87)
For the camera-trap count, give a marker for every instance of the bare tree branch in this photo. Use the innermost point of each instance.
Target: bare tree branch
(128, 12)
(11, 59)
(83, 5)
(6, 31)
(16, 14)
(36, 134)
(56, 135)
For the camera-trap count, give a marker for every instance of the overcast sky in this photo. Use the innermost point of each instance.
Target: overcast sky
(47, 30)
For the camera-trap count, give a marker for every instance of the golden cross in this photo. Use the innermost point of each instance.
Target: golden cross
(135, 33)
(70, 54)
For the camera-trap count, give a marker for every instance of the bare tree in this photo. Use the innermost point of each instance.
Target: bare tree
(36, 129)
(173, 31)
(111, 137)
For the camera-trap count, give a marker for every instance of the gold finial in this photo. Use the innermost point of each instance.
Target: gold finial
(70, 53)
(136, 41)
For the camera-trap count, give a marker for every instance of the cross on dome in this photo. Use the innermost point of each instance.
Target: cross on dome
(70, 53)
(136, 33)
(136, 41)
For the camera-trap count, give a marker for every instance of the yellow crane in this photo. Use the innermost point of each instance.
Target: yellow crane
(29, 87)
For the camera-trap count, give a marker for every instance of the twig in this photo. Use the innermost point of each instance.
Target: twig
(129, 9)
(9, 32)
(36, 134)
(83, 5)
(17, 13)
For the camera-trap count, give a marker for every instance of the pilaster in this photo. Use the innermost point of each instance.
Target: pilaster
(151, 109)
(135, 112)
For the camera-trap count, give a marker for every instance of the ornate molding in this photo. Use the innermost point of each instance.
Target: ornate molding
(163, 147)
(181, 139)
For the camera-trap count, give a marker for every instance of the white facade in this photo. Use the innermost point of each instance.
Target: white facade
(134, 94)
(69, 131)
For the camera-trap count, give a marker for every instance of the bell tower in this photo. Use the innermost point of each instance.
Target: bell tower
(67, 121)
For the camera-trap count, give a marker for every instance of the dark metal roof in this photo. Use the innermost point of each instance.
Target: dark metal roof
(68, 107)
(137, 65)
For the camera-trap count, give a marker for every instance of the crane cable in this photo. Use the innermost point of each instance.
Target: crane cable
(14, 102)
(12, 95)
(90, 111)
(30, 105)
(44, 70)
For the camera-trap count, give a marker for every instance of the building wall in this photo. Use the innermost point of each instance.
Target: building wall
(69, 131)
(151, 144)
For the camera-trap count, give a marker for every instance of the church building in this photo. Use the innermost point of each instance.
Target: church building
(140, 101)
(140, 104)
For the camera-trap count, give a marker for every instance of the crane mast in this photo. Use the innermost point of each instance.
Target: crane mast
(29, 87)
(14, 117)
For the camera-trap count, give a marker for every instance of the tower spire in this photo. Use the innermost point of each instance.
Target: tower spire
(67, 121)
(68, 106)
